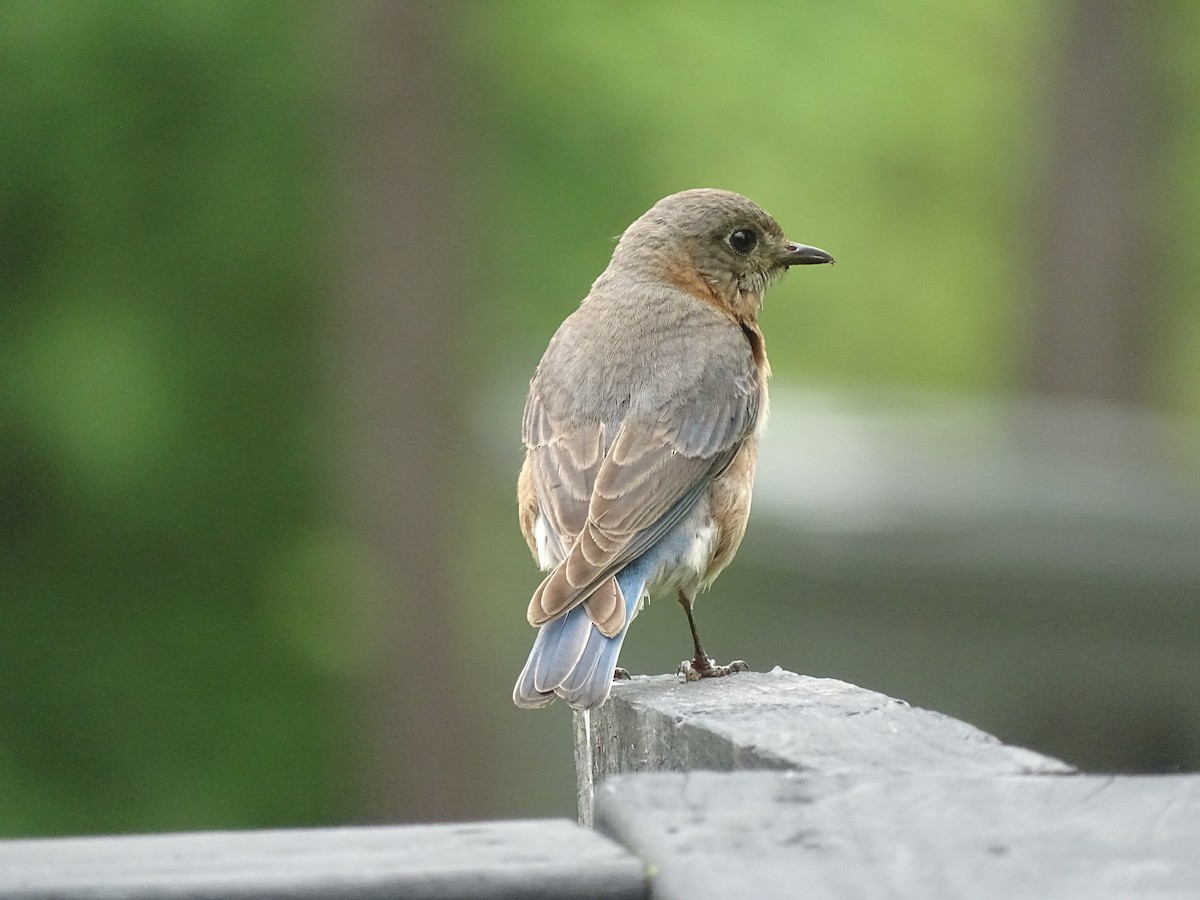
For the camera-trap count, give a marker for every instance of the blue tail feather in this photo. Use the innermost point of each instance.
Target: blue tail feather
(571, 658)
(563, 641)
(588, 660)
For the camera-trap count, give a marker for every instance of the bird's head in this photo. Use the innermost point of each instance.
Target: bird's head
(716, 245)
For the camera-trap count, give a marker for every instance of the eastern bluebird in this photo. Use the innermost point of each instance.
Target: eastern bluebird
(641, 430)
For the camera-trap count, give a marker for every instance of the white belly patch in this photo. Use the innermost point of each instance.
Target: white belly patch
(548, 548)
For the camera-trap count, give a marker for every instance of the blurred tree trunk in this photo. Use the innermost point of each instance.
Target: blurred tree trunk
(1096, 298)
(401, 399)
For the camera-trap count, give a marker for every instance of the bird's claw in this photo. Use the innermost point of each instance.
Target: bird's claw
(705, 667)
(620, 674)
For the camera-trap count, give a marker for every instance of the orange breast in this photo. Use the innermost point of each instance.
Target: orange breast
(729, 504)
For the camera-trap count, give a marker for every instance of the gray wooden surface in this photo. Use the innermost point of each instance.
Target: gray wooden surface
(793, 834)
(779, 720)
(859, 795)
(759, 785)
(525, 859)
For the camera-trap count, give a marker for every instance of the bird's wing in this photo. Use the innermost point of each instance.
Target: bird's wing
(562, 458)
(661, 460)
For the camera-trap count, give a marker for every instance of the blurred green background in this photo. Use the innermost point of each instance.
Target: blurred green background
(273, 276)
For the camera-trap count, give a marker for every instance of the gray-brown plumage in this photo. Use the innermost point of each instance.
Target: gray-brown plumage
(641, 429)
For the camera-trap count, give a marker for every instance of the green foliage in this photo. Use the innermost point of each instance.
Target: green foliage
(896, 136)
(158, 217)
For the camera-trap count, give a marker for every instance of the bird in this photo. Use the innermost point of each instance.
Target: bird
(641, 429)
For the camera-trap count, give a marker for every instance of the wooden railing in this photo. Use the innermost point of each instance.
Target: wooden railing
(755, 786)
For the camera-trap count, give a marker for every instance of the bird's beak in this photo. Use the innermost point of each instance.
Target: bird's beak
(801, 255)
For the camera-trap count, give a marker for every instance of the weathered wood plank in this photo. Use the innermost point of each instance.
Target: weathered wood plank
(531, 859)
(791, 834)
(779, 720)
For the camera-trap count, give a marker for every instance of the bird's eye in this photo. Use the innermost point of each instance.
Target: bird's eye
(743, 240)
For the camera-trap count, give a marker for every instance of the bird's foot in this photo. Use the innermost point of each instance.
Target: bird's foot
(704, 667)
(620, 674)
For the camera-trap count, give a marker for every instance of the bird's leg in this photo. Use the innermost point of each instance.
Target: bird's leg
(702, 665)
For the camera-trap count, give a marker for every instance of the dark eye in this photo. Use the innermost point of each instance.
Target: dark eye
(743, 240)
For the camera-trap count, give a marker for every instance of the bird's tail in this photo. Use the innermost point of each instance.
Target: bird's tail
(572, 659)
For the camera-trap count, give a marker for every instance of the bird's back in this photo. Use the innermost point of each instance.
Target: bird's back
(642, 348)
